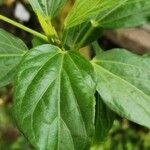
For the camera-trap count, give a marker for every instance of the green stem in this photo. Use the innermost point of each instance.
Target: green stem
(87, 34)
(35, 33)
(94, 24)
(96, 47)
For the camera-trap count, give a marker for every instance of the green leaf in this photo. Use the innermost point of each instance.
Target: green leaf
(54, 104)
(96, 47)
(47, 8)
(37, 41)
(11, 51)
(103, 14)
(78, 36)
(104, 121)
(124, 84)
(105, 11)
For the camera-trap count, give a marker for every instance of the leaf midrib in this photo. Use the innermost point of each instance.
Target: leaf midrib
(58, 105)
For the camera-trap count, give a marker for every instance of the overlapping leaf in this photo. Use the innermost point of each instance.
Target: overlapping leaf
(90, 17)
(11, 51)
(103, 122)
(105, 11)
(54, 99)
(37, 41)
(124, 84)
(47, 8)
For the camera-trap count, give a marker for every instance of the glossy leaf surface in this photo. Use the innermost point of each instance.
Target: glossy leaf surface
(54, 103)
(124, 84)
(12, 50)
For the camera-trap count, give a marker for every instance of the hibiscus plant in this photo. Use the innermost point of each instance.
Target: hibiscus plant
(62, 100)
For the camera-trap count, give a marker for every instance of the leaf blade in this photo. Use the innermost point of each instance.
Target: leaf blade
(101, 10)
(48, 9)
(12, 49)
(54, 90)
(107, 15)
(120, 92)
(103, 122)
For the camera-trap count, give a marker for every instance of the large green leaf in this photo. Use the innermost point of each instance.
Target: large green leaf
(47, 8)
(98, 15)
(103, 122)
(124, 84)
(11, 51)
(103, 12)
(54, 103)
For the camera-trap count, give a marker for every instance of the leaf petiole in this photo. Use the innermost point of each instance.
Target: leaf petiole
(31, 31)
(96, 47)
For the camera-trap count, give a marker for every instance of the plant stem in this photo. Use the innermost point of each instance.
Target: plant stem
(87, 34)
(96, 47)
(31, 31)
(94, 25)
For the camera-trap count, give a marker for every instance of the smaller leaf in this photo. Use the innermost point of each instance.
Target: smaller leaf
(99, 15)
(12, 49)
(105, 11)
(96, 47)
(104, 120)
(47, 8)
(37, 41)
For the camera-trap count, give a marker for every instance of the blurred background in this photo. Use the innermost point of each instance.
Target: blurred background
(124, 135)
